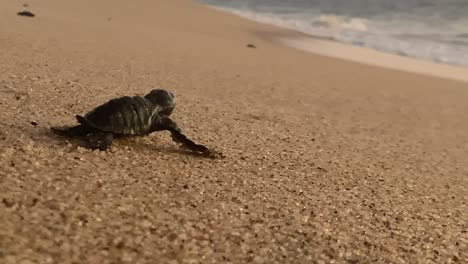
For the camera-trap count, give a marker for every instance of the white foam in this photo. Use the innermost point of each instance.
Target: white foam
(339, 23)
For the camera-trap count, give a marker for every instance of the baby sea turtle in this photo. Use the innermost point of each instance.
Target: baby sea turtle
(130, 116)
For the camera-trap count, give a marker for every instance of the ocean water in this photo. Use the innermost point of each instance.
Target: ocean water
(434, 30)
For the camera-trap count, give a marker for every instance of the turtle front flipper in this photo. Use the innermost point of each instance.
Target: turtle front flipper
(187, 143)
(100, 140)
(178, 137)
(168, 124)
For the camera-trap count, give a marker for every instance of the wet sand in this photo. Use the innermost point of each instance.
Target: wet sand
(375, 58)
(326, 160)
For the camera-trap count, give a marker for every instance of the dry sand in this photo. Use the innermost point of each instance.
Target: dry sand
(326, 160)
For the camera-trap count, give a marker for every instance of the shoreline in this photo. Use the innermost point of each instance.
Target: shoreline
(375, 58)
(364, 55)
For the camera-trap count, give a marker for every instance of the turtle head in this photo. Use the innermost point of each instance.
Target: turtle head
(163, 99)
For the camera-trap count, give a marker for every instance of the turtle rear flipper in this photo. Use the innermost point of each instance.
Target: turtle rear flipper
(72, 132)
(83, 121)
(100, 140)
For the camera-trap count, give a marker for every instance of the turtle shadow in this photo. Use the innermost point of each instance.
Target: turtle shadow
(49, 139)
(155, 147)
(120, 143)
(65, 141)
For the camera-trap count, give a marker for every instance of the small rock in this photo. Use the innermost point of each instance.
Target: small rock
(251, 46)
(52, 204)
(26, 14)
(8, 202)
(34, 123)
(83, 219)
(172, 237)
(119, 243)
(99, 183)
(322, 169)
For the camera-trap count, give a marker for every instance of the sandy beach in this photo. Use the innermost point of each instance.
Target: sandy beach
(326, 160)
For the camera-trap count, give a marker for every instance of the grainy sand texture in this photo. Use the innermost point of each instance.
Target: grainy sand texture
(327, 161)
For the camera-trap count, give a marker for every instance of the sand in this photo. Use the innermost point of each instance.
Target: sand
(327, 160)
(376, 58)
